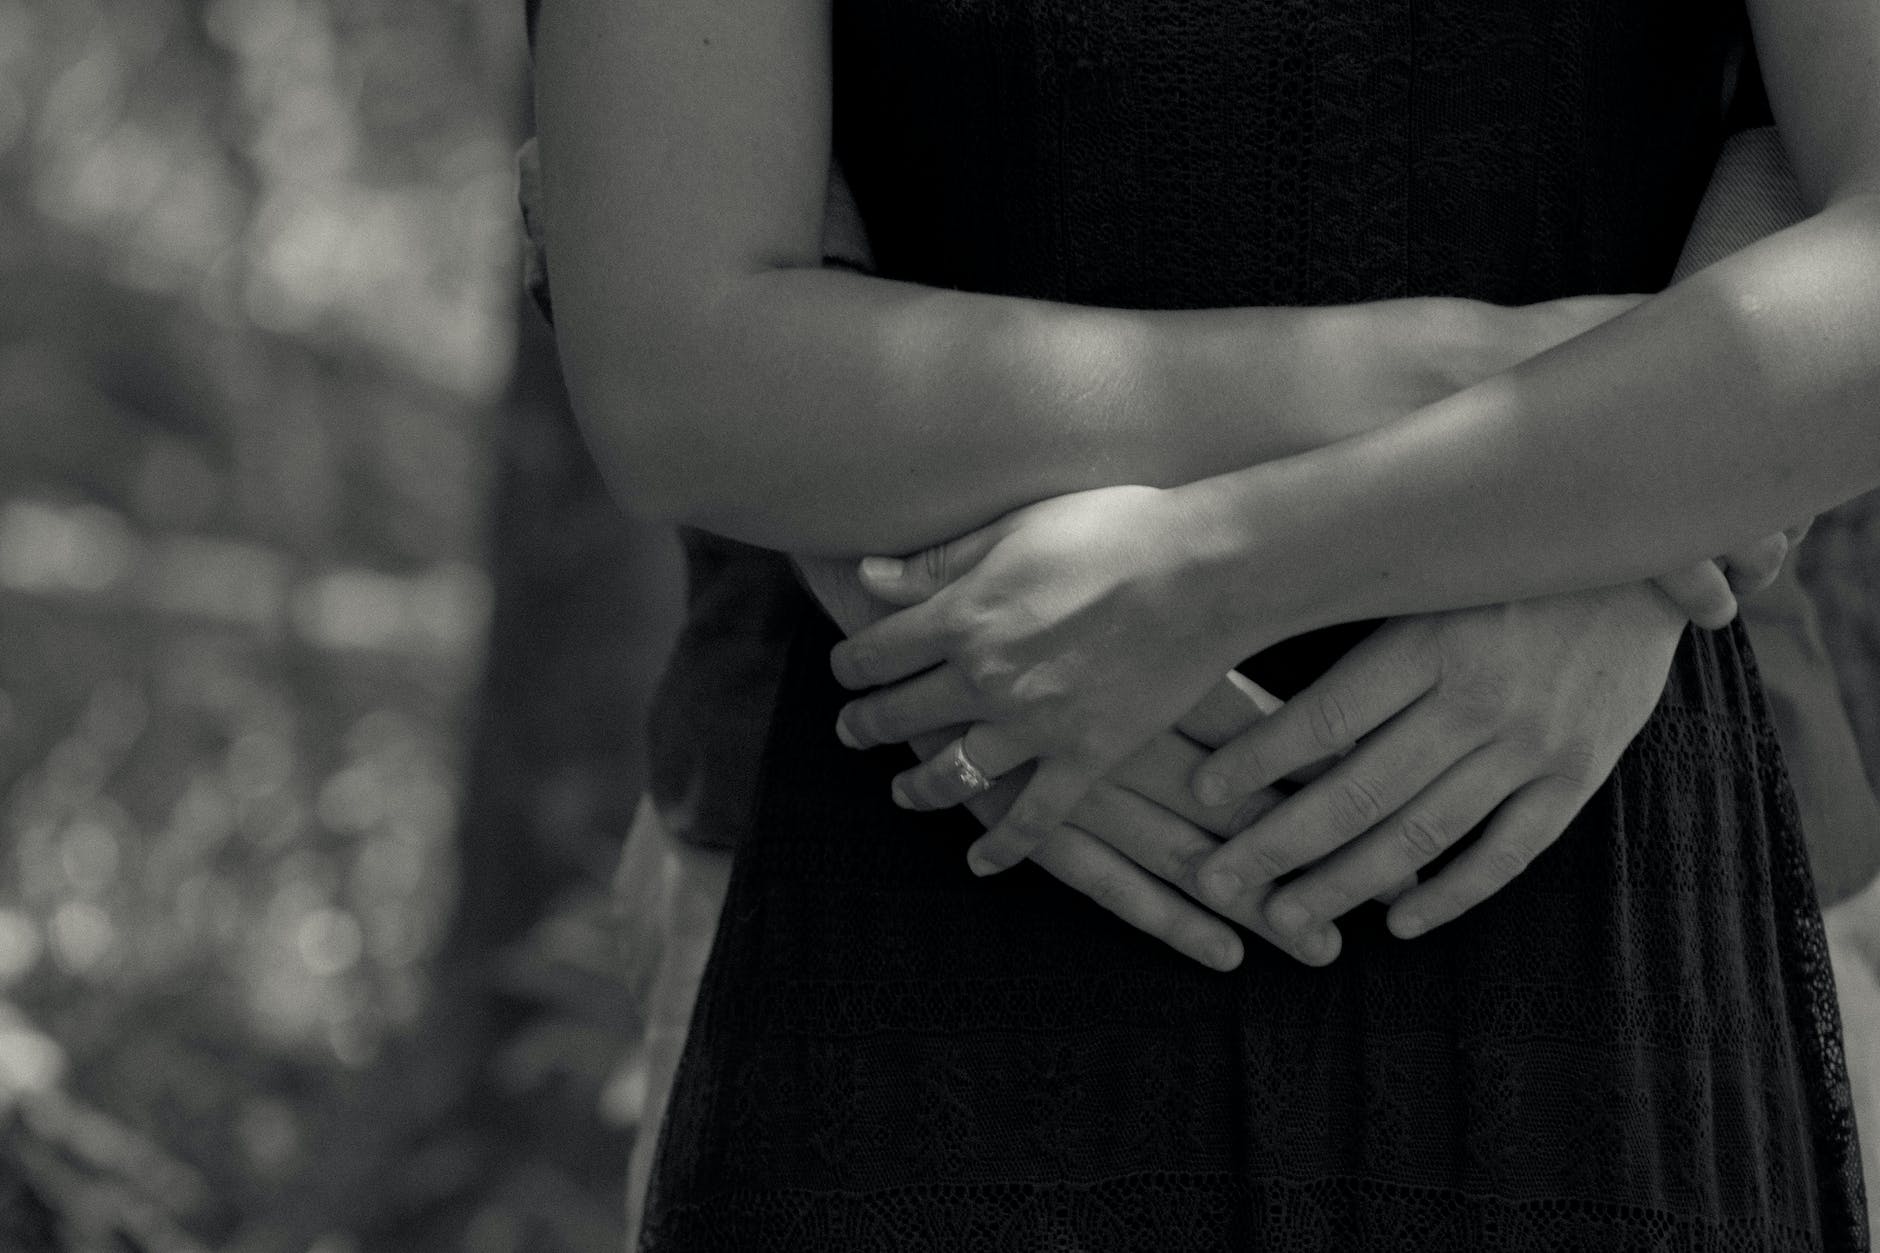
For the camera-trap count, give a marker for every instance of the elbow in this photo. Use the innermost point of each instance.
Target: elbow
(644, 457)
(635, 428)
(645, 399)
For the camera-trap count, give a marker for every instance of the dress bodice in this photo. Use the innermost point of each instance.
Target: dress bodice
(1195, 153)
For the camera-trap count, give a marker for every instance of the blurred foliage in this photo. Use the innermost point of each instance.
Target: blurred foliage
(255, 351)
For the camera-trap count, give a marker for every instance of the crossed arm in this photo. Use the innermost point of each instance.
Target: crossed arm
(1737, 401)
(1140, 833)
(695, 320)
(685, 152)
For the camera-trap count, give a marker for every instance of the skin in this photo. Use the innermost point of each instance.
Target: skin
(1631, 448)
(685, 155)
(1564, 724)
(1129, 844)
(713, 308)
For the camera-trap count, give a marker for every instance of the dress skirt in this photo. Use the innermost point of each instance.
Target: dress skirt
(1633, 1046)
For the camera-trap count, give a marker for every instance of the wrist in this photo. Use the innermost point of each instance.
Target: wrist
(1360, 366)
(1253, 585)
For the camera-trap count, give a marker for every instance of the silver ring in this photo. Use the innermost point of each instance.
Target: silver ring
(971, 777)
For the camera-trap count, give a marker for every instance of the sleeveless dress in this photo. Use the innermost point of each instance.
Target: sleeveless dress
(1634, 1046)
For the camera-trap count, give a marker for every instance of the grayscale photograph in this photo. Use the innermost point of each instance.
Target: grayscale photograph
(939, 626)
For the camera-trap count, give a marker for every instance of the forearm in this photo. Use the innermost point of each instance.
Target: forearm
(828, 411)
(1731, 405)
(725, 379)
(1183, 395)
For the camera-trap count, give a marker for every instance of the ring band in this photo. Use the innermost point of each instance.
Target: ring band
(971, 777)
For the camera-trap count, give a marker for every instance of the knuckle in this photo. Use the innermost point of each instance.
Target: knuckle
(1252, 809)
(1028, 823)
(1099, 807)
(1172, 864)
(1529, 736)
(1505, 860)
(1353, 804)
(1483, 697)
(1245, 764)
(1261, 863)
(956, 619)
(990, 674)
(1328, 722)
(1577, 762)
(1424, 837)
(1112, 891)
(1188, 873)
(934, 564)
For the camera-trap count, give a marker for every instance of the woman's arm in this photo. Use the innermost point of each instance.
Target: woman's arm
(1027, 641)
(725, 379)
(1737, 402)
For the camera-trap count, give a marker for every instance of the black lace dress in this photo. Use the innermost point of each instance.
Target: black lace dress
(1633, 1047)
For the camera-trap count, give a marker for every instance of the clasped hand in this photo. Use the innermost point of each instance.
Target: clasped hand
(1071, 634)
(1066, 634)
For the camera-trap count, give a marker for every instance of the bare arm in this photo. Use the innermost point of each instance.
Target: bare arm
(1068, 631)
(726, 380)
(1739, 401)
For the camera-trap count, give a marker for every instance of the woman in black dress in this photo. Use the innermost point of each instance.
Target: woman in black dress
(1633, 1044)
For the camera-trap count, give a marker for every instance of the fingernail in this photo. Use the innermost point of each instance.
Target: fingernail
(1223, 955)
(881, 569)
(1409, 926)
(1222, 887)
(1211, 789)
(1317, 947)
(843, 734)
(899, 793)
(1287, 916)
(982, 865)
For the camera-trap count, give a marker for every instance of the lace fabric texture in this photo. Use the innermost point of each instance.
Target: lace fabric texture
(1635, 1046)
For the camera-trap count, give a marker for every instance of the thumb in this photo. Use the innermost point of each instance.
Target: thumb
(910, 580)
(1702, 593)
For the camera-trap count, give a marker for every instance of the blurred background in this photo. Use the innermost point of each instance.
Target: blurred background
(323, 655)
(275, 418)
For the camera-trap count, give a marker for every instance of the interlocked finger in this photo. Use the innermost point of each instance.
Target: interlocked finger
(1369, 786)
(1525, 825)
(1088, 865)
(1162, 842)
(939, 698)
(1044, 805)
(898, 646)
(965, 768)
(1369, 685)
(1167, 846)
(1404, 842)
(1160, 771)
